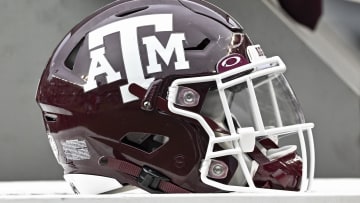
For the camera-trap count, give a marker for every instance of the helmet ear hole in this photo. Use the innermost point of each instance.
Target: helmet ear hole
(146, 142)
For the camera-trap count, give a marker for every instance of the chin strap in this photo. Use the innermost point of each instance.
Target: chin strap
(258, 156)
(146, 177)
(284, 172)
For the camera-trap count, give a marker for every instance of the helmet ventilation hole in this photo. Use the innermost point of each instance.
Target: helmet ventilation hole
(70, 60)
(131, 11)
(50, 117)
(203, 44)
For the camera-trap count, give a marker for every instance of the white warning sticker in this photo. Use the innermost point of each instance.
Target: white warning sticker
(75, 150)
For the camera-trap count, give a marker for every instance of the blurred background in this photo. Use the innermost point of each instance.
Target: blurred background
(323, 68)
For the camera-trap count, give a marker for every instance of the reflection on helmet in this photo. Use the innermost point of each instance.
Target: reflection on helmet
(172, 97)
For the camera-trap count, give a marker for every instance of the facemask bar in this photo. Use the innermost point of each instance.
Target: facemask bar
(265, 66)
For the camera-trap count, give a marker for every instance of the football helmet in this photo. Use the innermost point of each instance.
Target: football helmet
(171, 97)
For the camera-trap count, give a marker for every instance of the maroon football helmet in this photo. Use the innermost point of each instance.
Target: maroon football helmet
(172, 96)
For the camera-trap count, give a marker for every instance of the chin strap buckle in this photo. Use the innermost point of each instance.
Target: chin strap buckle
(151, 179)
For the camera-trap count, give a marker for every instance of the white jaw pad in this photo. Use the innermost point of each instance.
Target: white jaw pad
(92, 184)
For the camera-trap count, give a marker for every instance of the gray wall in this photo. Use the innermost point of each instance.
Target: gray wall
(30, 30)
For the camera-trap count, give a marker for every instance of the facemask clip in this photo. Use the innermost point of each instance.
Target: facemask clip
(247, 140)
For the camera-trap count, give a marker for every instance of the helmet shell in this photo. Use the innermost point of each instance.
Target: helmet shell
(99, 118)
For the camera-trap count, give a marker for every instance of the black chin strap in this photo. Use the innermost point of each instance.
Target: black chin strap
(146, 177)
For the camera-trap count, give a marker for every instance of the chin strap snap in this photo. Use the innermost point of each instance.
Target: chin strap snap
(146, 177)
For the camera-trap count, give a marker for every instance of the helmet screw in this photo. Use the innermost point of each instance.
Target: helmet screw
(218, 170)
(189, 97)
(147, 105)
